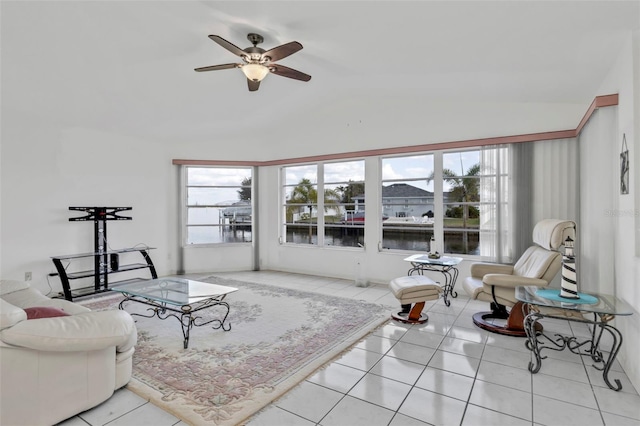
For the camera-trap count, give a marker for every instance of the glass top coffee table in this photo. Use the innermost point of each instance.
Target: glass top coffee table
(179, 298)
(546, 303)
(446, 265)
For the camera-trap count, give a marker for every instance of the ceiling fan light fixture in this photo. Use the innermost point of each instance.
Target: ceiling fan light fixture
(257, 62)
(255, 72)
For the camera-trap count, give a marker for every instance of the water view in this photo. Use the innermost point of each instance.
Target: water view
(412, 237)
(454, 241)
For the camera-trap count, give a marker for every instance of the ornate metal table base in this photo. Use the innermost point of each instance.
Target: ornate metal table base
(537, 341)
(450, 277)
(184, 313)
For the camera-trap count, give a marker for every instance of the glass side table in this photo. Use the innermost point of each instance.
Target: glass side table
(446, 265)
(546, 303)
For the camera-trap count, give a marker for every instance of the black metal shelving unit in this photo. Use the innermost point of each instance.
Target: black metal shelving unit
(102, 266)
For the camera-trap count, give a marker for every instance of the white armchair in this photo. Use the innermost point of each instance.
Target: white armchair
(496, 283)
(56, 367)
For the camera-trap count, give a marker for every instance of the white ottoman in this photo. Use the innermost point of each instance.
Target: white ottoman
(414, 290)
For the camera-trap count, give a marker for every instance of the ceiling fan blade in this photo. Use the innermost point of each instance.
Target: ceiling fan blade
(228, 45)
(253, 85)
(289, 72)
(282, 51)
(217, 67)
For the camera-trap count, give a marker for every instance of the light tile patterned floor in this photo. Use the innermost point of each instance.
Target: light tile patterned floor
(444, 372)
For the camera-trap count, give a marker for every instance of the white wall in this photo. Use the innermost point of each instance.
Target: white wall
(599, 155)
(229, 257)
(610, 260)
(48, 167)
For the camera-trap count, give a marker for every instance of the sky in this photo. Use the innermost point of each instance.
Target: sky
(412, 170)
(405, 167)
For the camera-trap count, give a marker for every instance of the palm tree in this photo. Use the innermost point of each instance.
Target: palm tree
(464, 188)
(305, 193)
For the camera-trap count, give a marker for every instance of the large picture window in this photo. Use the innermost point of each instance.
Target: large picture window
(459, 197)
(218, 205)
(336, 218)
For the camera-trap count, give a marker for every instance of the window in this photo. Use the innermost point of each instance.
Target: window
(460, 197)
(475, 187)
(334, 219)
(461, 202)
(344, 204)
(300, 194)
(218, 205)
(408, 206)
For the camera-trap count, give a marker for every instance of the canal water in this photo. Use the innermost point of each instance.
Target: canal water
(454, 241)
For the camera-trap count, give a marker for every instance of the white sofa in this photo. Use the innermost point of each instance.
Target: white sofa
(54, 368)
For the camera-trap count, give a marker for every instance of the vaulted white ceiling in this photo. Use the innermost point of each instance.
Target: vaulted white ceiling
(127, 66)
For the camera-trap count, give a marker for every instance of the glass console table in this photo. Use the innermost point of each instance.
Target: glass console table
(446, 265)
(546, 303)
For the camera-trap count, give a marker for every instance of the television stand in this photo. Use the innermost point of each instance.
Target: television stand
(105, 261)
(101, 275)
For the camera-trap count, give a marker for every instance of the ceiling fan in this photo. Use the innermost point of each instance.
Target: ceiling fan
(259, 62)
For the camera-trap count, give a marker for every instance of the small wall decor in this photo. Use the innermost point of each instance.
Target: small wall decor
(624, 167)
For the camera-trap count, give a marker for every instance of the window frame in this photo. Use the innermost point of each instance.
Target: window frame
(405, 202)
(440, 204)
(285, 205)
(319, 228)
(185, 221)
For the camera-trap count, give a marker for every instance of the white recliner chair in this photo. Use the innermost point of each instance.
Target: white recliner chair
(496, 283)
(53, 368)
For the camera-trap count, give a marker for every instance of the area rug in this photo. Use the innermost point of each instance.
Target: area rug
(278, 337)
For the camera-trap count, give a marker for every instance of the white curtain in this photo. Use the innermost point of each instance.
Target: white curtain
(524, 183)
(555, 180)
(521, 190)
(495, 226)
(544, 185)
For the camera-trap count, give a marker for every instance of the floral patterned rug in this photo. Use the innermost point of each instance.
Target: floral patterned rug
(278, 337)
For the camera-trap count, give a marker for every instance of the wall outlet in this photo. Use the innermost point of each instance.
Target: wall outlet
(27, 276)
